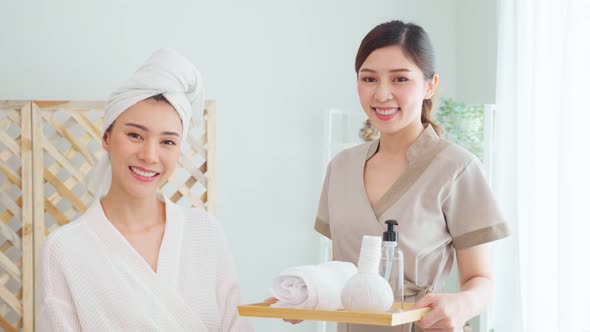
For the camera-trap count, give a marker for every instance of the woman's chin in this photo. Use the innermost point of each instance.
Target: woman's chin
(141, 191)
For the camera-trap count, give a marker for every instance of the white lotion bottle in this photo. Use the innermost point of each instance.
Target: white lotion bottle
(368, 291)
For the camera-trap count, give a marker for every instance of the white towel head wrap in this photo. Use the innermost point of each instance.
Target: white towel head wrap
(165, 72)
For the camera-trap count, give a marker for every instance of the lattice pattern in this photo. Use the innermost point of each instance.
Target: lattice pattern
(12, 216)
(188, 185)
(67, 145)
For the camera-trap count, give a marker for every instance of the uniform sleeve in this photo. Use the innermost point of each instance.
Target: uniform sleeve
(228, 290)
(322, 220)
(471, 211)
(54, 302)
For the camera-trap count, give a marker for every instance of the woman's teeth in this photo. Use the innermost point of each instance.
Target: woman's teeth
(142, 173)
(388, 111)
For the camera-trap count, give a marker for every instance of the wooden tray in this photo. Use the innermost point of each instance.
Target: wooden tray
(342, 316)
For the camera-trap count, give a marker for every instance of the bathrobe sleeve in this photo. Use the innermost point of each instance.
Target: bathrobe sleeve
(55, 305)
(228, 290)
(57, 316)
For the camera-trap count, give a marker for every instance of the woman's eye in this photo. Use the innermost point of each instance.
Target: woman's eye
(368, 79)
(134, 135)
(400, 79)
(169, 142)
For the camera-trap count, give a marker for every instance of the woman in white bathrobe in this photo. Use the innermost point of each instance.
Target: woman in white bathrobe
(136, 261)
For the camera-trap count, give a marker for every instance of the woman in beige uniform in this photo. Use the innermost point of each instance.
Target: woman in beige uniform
(436, 190)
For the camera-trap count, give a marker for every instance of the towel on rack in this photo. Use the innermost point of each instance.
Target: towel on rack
(312, 286)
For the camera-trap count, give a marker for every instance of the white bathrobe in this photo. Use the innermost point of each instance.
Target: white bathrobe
(92, 279)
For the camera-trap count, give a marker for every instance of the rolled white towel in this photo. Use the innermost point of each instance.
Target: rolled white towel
(312, 286)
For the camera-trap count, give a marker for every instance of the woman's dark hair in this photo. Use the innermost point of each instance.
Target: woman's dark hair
(415, 44)
(159, 97)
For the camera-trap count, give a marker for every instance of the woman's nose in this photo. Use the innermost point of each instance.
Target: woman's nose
(383, 92)
(149, 152)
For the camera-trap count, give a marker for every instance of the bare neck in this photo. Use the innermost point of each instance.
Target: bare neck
(130, 213)
(398, 143)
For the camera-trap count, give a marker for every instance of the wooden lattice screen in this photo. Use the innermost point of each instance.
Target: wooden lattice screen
(47, 149)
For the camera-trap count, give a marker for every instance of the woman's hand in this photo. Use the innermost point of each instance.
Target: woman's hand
(292, 321)
(451, 311)
(448, 313)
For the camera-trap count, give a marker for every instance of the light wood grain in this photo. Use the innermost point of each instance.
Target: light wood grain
(342, 316)
(6, 326)
(9, 298)
(38, 195)
(20, 238)
(211, 124)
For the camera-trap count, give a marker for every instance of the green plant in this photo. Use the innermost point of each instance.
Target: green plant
(462, 124)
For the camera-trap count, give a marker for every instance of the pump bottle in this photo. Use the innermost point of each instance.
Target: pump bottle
(391, 267)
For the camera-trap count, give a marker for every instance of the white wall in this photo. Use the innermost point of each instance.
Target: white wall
(476, 51)
(274, 67)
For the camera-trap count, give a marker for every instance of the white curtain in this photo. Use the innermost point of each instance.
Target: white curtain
(541, 170)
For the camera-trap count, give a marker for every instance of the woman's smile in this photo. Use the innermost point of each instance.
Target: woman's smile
(385, 113)
(143, 174)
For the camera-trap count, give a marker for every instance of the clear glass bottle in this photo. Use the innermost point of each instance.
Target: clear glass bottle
(391, 267)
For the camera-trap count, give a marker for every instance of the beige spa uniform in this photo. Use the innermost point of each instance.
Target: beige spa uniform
(442, 202)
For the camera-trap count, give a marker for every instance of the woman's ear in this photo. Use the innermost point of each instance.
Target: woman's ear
(431, 87)
(106, 141)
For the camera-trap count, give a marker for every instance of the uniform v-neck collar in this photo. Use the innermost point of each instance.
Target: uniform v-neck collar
(426, 140)
(419, 155)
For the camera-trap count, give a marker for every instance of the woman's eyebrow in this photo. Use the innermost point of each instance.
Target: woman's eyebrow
(144, 128)
(391, 71)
